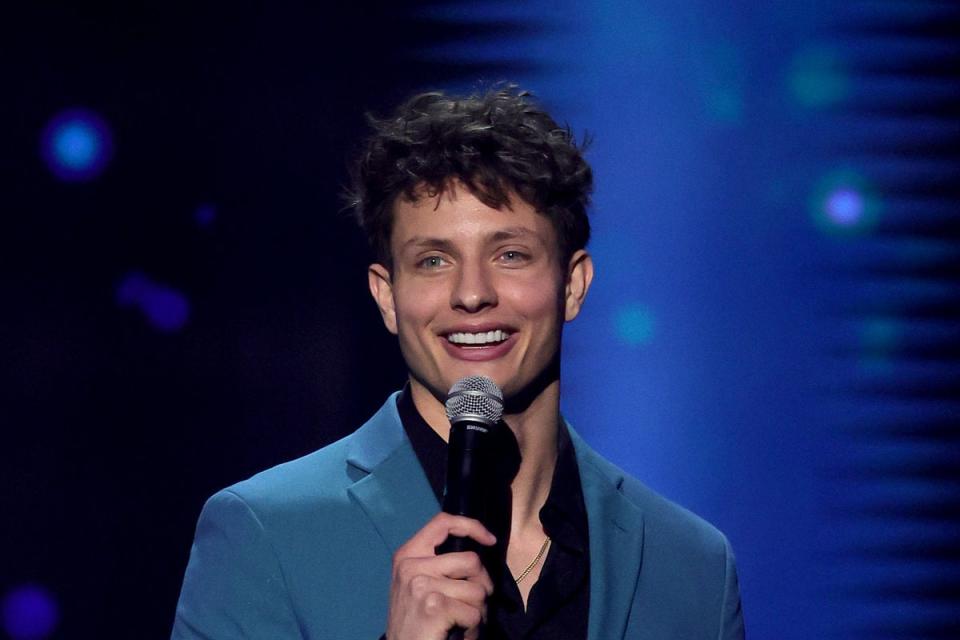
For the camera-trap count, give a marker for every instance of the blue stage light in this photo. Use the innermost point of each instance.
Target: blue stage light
(76, 145)
(205, 214)
(29, 612)
(845, 206)
(165, 308)
(844, 203)
(634, 324)
(132, 289)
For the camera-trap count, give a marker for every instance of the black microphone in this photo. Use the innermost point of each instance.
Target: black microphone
(474, 406)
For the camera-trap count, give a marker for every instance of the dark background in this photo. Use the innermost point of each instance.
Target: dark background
(775, 311)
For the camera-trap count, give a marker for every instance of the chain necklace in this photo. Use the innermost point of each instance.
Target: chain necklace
(536, 561)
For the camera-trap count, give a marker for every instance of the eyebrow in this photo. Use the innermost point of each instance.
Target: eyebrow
(508, 233)
(427, 242)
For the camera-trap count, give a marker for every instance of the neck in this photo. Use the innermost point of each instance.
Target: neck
(535, 428)
(536, 431)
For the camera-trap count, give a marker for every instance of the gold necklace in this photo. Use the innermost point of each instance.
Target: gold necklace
(543, 550)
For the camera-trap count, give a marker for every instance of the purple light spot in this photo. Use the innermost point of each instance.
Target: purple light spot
(132, 289)
(845, 206)
(166, 309)
(29, 613)
(205, 215)
(76, 145)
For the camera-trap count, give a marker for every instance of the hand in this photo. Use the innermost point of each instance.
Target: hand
(431, 594)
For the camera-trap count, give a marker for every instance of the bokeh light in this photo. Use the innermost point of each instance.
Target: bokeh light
(164, 308)
(205, 214)
(844, 203)
(879, 338)
(29, 612)
(725, 105)
(722, 76)
(845, 206)
(76, 145)
(817, 78)
(634, 324)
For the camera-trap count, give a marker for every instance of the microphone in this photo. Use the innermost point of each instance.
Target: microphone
(474, 406)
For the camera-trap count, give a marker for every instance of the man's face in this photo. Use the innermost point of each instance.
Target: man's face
(476, 290)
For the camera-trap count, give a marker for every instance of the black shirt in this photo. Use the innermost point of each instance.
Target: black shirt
(559, 602)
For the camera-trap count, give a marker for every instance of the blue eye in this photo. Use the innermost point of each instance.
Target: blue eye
(432, 262)
(513, 256)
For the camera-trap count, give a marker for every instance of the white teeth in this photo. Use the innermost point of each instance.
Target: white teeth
(478, 338)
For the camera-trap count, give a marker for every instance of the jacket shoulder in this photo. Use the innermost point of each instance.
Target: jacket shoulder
(663, 519)
(321, 475)
(324, 475)
(687, 586)
(690, 566)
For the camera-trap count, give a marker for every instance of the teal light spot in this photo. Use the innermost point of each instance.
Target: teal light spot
(881, 333)
(722, 78)
(844, 203)
(635, 324)
(725, 106)
(817, 78)
(879, 339)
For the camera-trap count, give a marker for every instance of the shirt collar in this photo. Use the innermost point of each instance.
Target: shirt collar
(563, 515)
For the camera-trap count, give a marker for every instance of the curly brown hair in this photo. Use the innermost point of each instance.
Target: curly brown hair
(497, 143)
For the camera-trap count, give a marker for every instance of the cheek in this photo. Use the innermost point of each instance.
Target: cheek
(416, 307)
(409, 319)
(538, 300)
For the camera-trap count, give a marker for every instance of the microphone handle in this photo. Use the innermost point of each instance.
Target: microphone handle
(457, 543)
(466, 465)
(451, 545)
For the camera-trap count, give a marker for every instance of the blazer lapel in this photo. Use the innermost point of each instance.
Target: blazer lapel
(395, 495)
(393, 490)
(616, 544)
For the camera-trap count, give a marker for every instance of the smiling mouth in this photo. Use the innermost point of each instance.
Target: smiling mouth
(481, 339)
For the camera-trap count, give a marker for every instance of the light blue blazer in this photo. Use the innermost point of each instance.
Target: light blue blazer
(304, 550)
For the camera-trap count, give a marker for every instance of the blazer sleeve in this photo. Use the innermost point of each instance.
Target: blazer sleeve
(731, 620)
(234, 586)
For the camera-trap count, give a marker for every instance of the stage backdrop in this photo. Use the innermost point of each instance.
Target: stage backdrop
(771, 340)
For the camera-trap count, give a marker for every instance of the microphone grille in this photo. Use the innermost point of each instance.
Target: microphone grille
(476, 397)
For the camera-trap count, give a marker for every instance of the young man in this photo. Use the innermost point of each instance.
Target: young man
(476, 211)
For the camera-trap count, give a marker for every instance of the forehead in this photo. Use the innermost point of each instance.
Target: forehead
(457, 214)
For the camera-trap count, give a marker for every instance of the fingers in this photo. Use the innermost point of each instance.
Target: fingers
(466, 565)
(470, 593)
(461, 566)
(454, 612)
(437, 530)
(431, 594)
(426, 607)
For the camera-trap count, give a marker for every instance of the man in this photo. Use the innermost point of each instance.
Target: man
(476, 211)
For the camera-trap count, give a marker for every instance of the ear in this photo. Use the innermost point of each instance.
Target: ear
(381, 288)
(579, 277)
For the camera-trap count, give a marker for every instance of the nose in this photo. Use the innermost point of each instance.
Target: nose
(473, 289)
